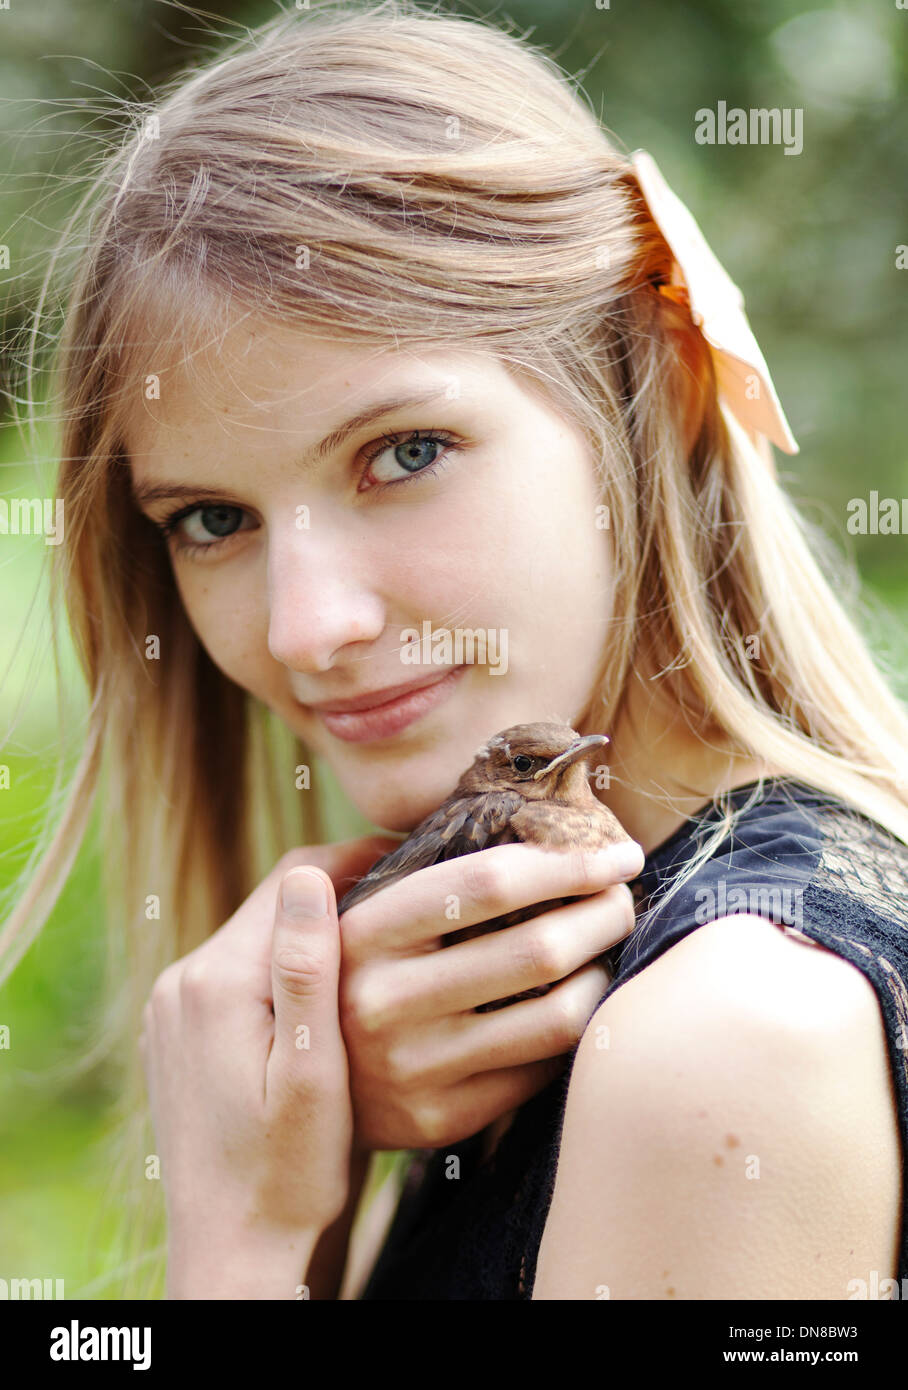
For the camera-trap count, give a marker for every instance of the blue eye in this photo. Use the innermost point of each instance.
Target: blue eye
(407, 454)
(217, 521)
(204, 526)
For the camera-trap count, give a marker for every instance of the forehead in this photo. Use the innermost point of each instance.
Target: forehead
(257, 375)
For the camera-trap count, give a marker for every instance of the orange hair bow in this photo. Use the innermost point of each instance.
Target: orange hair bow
(717, 308)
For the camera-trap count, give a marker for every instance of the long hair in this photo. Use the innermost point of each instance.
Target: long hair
(400, 176)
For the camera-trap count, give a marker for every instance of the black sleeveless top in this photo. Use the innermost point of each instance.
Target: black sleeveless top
(798, 857)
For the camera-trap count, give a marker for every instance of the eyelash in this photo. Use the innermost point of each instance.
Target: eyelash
(388, 441)
(168, 524)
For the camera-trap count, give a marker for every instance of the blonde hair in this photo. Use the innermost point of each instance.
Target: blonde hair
(398, 175)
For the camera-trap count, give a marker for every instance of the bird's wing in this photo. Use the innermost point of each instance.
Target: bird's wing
(460, 826)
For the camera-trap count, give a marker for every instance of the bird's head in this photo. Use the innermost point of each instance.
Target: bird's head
(540, 761)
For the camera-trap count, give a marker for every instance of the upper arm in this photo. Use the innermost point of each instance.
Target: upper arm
(730, 1130)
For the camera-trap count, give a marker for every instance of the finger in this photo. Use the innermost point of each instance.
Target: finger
(305, 963)
(482, 1099)
(528, 1031)
(502, 963)
(249, 929)
(477, 887)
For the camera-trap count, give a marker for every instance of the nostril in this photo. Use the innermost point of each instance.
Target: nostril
(313, 631)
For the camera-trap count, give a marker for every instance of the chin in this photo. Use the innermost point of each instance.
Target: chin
(396, 816)
(400, 805)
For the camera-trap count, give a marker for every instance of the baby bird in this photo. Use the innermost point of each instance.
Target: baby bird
(530, 784)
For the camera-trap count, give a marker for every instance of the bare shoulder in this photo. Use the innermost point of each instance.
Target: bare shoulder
(731, 1129)
(778, 974)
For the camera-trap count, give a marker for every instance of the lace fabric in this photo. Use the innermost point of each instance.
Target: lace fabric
(469, 1227)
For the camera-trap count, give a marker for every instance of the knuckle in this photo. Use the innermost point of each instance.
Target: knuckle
(596, 979)
(582, 871)
(401, 1067)
(540, 954)
(300, 969)
(197, 980)
(487, 879)
(349, 1005)
(624, 906)
(366, 1007)
(552, 950)
(571, 1010)
(165, 986)
(431, 1124)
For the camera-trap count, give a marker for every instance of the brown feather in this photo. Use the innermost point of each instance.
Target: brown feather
(497, 802)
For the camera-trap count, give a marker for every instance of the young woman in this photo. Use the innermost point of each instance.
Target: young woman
(373, 327)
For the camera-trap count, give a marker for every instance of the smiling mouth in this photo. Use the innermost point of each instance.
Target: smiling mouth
(388, 713)
(376, 698)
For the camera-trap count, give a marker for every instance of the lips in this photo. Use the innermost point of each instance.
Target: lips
(376, 698)
(385, 713)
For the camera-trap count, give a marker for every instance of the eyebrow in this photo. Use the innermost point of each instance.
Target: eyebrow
(153, 492)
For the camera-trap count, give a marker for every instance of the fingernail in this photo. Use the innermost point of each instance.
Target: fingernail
(304, 894)
(626, 858)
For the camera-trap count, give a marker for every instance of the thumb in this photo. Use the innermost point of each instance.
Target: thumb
(305, 964)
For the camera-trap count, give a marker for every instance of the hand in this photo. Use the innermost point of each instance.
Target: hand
(248, 1084)
(425, 1070)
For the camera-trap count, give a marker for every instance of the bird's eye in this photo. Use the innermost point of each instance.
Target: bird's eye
(522, 763)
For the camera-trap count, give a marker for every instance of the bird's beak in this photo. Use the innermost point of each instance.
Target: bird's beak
(581, 749)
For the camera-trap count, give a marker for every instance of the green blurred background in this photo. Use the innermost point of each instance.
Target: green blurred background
(811, 239)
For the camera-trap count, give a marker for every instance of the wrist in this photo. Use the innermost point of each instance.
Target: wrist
(241, 1265)
(326, 1268)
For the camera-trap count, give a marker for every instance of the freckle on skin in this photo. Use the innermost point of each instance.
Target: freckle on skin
(718, 1160)
(670, 1293)
(732, 1141)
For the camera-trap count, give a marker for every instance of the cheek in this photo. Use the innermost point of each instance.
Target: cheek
(525, 547)
(232, 628)
(532, 563)
(550, 566)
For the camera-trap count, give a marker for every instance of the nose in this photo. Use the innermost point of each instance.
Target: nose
(319, 601)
